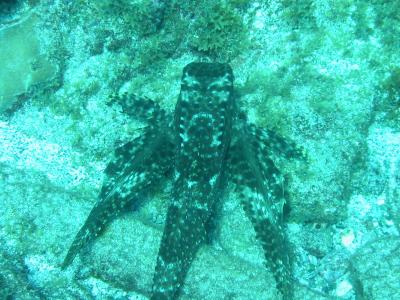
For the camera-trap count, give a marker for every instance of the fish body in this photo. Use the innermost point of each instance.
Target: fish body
(203, 125)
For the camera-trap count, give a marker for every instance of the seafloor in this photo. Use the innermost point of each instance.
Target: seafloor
(325, 74)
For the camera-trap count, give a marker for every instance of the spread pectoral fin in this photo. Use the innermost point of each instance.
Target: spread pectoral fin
(267, 143)
(260, 188)
(130, 175)
(141, 108)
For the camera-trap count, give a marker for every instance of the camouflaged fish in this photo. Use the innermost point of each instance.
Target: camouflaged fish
(206, 144)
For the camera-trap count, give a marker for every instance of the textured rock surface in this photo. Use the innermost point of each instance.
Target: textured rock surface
(24, 63)
(320, 73)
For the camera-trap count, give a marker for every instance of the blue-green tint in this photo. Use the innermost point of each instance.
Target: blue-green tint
(233, 149)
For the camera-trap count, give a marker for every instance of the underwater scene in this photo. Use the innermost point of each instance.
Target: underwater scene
(233, 149)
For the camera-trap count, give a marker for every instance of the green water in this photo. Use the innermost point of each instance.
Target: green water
(323, 74)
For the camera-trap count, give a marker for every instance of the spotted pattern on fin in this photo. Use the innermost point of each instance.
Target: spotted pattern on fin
(142, 108)
(205, 145)
(128, 177)
(260, 188)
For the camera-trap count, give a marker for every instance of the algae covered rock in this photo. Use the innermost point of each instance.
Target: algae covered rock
(23, 63)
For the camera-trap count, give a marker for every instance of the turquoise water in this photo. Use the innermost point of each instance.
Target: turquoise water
(323, 74)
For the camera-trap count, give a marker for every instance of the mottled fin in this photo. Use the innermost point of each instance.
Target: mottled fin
(141, 108)
(184, 233)
(134, 169)
(260, 187)
(269, 144)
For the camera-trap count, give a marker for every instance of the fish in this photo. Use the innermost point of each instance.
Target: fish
(206, 145)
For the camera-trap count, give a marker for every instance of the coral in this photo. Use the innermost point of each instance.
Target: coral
(143, 17)
(219, 28)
